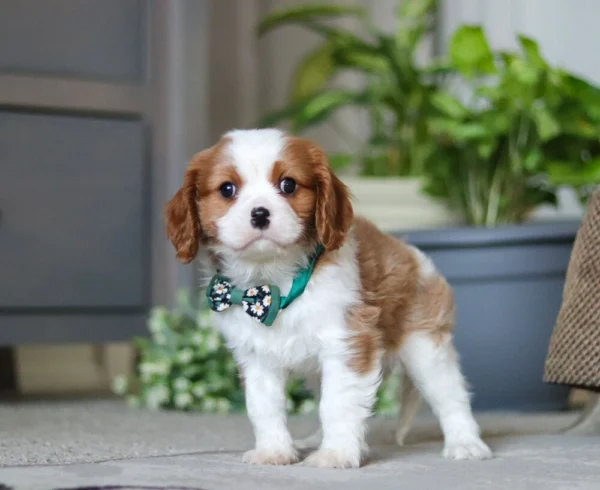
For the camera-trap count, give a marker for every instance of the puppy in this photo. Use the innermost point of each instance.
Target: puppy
(257, 208)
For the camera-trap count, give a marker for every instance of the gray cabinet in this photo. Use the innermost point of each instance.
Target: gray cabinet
(91, 114)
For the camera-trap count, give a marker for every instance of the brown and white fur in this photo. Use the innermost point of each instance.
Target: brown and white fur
(371, 302)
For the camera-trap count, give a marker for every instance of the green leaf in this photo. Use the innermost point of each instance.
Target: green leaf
(313, 72)
(526, 74)
(322, 105)
(458, 130)
(365, 60)
(533, 159)
(532, 51)
(568, 173)
(547, 126)
(449, 105)
(417, 8)
(486, 149)
(339, 161)
(470, 51)
(306, 13)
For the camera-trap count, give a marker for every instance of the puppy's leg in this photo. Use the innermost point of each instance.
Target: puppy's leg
(347, 398)
(433, 365)
(266, 406)
(410, 402)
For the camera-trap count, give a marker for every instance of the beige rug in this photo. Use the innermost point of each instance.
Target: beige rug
(45, 446)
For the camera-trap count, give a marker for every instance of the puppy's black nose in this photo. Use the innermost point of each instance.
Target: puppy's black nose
(260, 218)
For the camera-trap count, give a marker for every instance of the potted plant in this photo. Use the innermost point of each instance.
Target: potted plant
(510, 130)
(396, 96)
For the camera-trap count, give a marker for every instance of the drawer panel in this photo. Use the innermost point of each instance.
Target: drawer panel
(72, 212)
(80, 38)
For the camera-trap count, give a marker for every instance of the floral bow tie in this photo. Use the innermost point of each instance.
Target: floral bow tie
(261, 302)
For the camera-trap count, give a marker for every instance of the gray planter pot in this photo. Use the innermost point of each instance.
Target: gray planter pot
(508, 285)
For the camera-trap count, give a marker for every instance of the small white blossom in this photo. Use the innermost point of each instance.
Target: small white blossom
(185, 356)
(307, 406)
(181, 384)
(266, 289)
(183, 400)
(223, 405)
(213, 341)
(156, 396)
(197, 339)
(158, 320)
(219, 288)
(267, 301)
(209, 405)
(252, 292)
(222, 306)
(120, 384)
(199, 390)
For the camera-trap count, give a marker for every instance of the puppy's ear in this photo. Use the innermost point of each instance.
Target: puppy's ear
(334, 214)
(183, 218)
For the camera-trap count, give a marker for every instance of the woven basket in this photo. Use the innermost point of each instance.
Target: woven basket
(574, 353)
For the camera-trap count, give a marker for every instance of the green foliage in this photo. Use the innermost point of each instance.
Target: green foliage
(494, 148)
(185, 364)
(518, 129)
(396, 92)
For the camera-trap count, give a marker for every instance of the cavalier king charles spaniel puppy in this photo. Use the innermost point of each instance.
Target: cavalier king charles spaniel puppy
(298, 283)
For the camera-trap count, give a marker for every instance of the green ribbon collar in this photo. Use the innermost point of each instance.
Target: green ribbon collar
(263, 303)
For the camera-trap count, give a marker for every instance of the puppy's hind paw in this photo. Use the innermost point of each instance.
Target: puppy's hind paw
(271, 456)
(469, 449)
(332, 458)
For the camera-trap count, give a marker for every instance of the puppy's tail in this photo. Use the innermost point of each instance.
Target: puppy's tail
(410, 403)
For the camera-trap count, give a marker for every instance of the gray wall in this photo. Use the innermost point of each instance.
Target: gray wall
(101, 106)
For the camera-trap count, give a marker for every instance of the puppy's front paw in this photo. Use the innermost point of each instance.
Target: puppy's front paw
(276, 457)
(333, 458)
(468, 449)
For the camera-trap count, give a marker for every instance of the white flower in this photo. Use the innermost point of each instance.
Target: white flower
(223, 405)
(266, 289)
(156, 396)
(219, 288)
(252, 292)
(120, 384)
(181, 384)
(222, 306)
(197, 339)
(184, 356)
(158, 320)
(213, 341)
(199, 390)
(204, 318)
(307, 406)
(163, 368)
(183, 400)
(257, 309)
(209, 404)
(267, 301)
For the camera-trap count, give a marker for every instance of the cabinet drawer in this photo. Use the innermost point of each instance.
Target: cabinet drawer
(94, 39)
(72, 212)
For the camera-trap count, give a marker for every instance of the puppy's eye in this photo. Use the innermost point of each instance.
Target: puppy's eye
(287, 185)
(227, 190)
